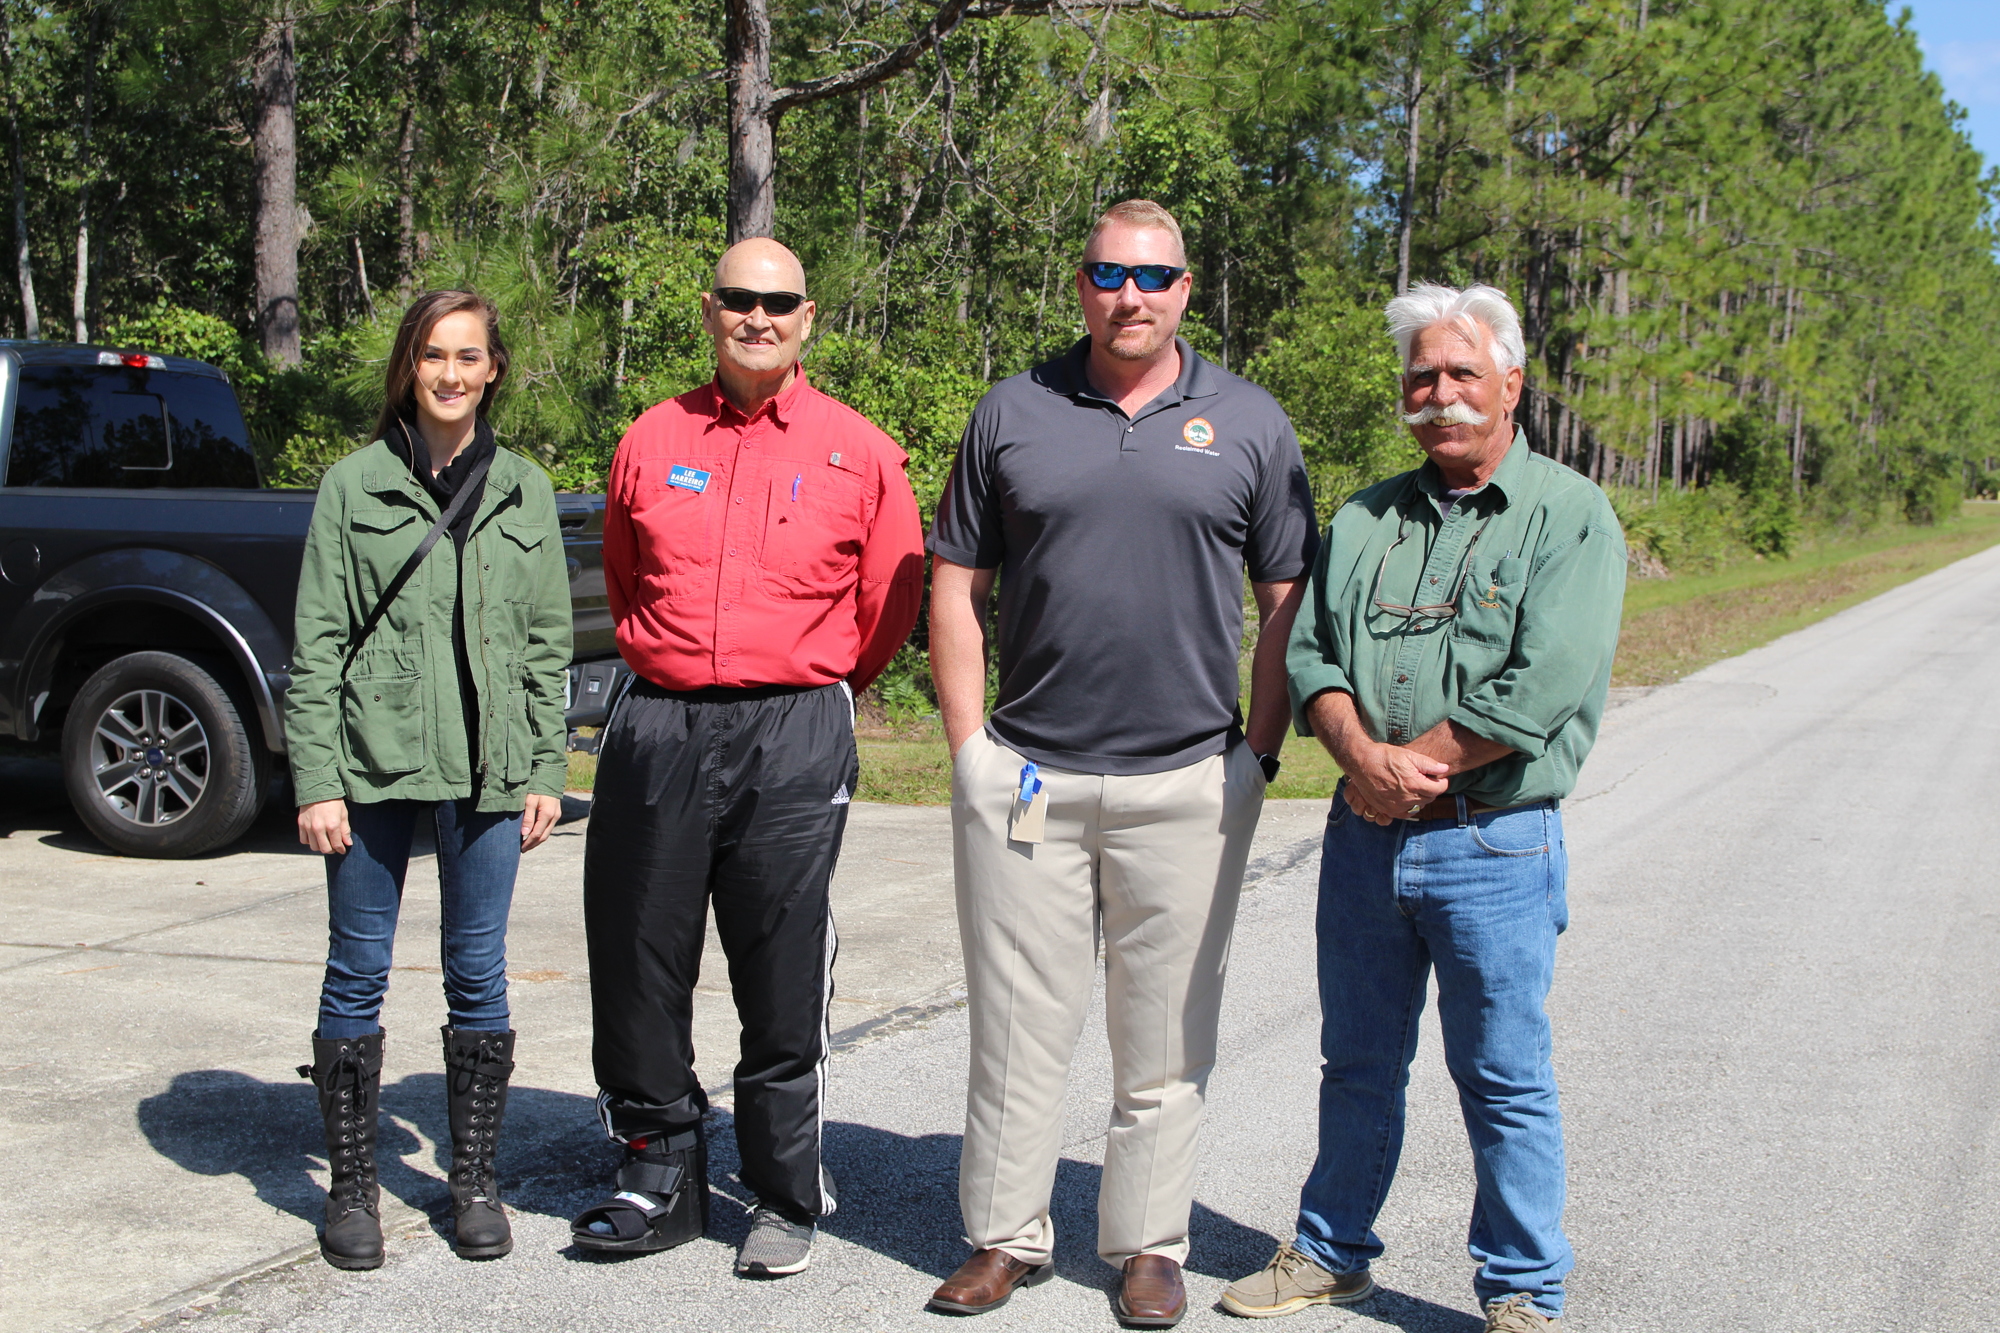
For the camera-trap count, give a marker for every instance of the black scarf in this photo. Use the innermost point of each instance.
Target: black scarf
(408, 445)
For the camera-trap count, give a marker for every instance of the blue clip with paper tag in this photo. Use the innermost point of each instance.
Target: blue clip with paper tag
(1031, 782)
(688, 479)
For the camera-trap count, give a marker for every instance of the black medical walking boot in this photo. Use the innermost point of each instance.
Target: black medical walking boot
(476, 1068)
(347, 1074)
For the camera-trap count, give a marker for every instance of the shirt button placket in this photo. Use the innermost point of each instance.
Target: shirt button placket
(1410, 652)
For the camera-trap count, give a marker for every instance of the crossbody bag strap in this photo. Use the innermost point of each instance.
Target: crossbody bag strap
(472, 486)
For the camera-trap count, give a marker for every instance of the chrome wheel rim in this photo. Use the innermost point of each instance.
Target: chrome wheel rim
(150, 758)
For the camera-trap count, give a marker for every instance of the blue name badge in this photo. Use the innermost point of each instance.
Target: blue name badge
(688, 479)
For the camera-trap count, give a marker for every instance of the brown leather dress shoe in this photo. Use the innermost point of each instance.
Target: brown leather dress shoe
(1151, 1296)
(985, 1281)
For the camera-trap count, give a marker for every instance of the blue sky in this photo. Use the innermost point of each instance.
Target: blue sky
(1961, 44)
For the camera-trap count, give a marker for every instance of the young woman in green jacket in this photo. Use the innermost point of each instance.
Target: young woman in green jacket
(447, 703)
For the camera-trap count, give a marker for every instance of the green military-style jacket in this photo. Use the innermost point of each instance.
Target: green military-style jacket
(394, 728)
(1534, 562)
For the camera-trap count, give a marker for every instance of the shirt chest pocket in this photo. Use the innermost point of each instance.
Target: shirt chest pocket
(674, 511)
(815, 519)
(1491, 603)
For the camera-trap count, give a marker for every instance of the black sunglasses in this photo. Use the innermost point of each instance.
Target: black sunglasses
(741, 301)
(1146, 277)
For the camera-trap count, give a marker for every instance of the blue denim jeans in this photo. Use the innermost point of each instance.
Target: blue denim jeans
(478, 855)
(1479, 898)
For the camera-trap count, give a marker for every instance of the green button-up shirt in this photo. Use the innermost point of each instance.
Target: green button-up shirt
(1534, 562)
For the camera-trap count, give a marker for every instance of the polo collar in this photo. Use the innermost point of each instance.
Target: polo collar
(782, 408)
(1196, 380)
(1505, 483)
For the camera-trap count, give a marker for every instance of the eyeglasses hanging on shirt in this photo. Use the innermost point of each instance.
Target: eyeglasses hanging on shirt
(1436, 612)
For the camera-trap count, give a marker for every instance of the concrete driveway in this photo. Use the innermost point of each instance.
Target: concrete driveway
(158, 1138)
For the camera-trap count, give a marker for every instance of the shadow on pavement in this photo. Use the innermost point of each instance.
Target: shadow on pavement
(898, 1193)
(32, 795)
(217, 1122)
(899, 1198)
(1413, 1314)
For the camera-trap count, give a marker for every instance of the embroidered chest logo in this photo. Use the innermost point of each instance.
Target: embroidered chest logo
(1198, 432)
(688, 479)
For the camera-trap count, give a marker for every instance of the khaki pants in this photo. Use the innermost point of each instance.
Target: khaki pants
(1155, 860)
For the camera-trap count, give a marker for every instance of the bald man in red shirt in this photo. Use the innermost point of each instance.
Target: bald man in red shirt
(764, 560)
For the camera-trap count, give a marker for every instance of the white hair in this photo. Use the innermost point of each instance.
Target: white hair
(1431, 303)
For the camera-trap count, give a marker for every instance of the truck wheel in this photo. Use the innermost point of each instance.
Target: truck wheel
(158, 760)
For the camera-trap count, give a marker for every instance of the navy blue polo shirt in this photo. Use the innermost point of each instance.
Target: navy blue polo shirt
(1122, 543)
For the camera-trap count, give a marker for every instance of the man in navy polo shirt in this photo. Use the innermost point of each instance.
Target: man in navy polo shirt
(1118, 494)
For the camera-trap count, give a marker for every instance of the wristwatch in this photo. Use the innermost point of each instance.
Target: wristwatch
(1269, 763)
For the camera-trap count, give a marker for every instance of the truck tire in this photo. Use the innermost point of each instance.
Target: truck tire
(157, 759)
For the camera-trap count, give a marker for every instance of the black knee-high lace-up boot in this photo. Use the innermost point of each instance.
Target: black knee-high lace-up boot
(347, 1074)
(477, 1067)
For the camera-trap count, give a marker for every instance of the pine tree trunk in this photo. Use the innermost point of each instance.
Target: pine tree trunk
(406, 158)
(861, 174)
(80, 294)
(752, 141)
(1407, 206)
(361, 275)
(24, 269)
(274, 148)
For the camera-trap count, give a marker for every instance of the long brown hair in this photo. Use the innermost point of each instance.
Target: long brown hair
(399, 397)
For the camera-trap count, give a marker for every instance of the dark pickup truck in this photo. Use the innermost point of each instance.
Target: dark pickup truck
(146, 589)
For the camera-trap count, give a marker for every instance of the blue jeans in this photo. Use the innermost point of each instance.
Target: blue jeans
(1481, 899)
(478, 855)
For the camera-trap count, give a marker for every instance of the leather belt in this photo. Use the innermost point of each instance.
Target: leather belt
(1446, 807)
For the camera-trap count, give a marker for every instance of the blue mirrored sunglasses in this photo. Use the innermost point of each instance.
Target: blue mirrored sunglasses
(1146, 277)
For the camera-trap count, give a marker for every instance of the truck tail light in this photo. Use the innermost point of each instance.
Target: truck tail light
(136, 360)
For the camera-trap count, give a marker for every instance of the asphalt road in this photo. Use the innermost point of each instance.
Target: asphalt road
(1775, 1028)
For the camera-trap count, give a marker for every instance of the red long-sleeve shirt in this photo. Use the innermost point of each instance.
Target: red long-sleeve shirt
(780, 549)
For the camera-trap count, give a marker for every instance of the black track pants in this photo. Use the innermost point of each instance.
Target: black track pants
(739, 796)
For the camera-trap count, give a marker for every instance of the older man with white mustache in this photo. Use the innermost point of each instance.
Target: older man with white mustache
(1453, 654)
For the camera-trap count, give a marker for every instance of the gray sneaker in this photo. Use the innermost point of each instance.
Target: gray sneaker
(1517, 1314)
(776, 1245)
(1291, 1282)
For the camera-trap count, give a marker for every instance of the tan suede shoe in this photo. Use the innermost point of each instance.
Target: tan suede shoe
(1517, 1314)
(1291, 1282)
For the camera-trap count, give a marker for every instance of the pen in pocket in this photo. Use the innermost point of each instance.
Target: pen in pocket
(795, 486)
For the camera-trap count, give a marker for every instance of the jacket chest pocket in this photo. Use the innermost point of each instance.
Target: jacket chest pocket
(381, 537)
(813, 525)
(512, 557)
(1491, 603)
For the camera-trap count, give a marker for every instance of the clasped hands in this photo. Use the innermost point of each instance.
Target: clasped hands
(1390, 782)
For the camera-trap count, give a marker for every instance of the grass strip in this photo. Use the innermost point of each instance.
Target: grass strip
(1677, 626)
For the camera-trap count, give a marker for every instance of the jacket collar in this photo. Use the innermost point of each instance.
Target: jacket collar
(386, 473)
